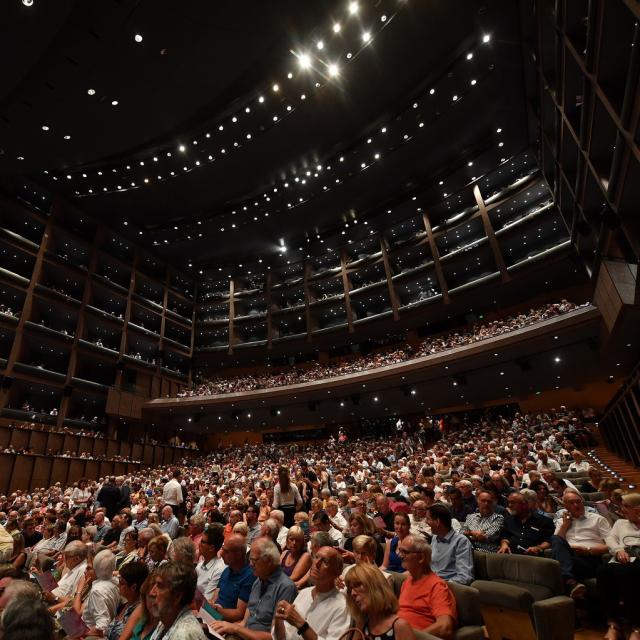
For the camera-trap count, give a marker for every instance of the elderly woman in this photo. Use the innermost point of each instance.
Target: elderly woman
(374, 606)
(101, 605)
(183, 550)
(618, 581)
(132, 577)
(157, 552)
(129, 551)
(295, 559)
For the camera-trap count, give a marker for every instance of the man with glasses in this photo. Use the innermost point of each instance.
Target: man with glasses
(318, 612)
(236, 580)
(426, 602)
(210, 567)
(271, 586)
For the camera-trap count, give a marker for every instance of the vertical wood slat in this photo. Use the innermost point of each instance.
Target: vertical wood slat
(267, 286)
(488, 229)
(346, 285)
(387, 269)
(232, 313)
(435, 254)
(307, 309)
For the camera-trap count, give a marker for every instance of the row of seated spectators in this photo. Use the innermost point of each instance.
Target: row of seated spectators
(388, 356)
(243, 541)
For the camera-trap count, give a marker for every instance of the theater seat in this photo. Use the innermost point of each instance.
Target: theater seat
(468, 604)
(523, 597)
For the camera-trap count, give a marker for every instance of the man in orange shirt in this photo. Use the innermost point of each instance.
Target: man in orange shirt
(426, 602)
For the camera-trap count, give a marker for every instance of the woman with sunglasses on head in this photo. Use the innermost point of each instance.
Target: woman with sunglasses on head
(374, 606)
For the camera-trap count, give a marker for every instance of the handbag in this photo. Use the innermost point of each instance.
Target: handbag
(349, 634)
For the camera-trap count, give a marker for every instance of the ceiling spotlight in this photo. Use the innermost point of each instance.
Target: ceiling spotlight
(353, 8)
(91, 92)
(45, 127)
(182, 148)
(498, 130)
(27, 3)
(557, 359)
(432, 91)
(455, 98)
(473, 82)
(304, 61)
(320, 45)
(275, 88)
(114, 103)
(261, 99)
(485, 38)
(336, 27)
(366, 36)
(67, 137)
(333, 70)
(137, 37)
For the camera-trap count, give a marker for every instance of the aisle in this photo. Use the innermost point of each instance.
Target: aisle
(620, 466)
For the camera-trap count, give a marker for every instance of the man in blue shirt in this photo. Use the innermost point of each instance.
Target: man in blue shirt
(451, 552)
(236, 580)
(270, 587)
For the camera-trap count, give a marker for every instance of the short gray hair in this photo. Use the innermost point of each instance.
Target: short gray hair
(267, 549)
(104, 565)
(183, 550)
(77, 549)
(529, 495)
(197, 521)
(419, 545)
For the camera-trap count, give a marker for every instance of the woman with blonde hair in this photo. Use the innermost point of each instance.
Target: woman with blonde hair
(295, 559)
(360, 525)
(374, 606)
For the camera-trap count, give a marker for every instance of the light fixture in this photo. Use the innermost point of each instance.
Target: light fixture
(366, 36)
(137, 37)
(333, 70)
(91, 92)
(320, 45)
(336, 27)
(275, 88)
(469, 56)
(353, 8)
(27, 3)
(432, 91)
(304, 61)
(114, 103)
(45, 127)
(182, 148)
(486, 38)
(261, 99)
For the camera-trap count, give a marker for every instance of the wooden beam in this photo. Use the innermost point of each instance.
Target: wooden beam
(267, 287)
(435, 254)
(231, 315)
(307, 295)
(346, 285)
(387, 269)
(488, 229)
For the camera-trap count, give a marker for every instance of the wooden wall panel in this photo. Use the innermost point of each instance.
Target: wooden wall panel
(137, 451)
(99, 447)
(147, 457)
(22, 472)
(76, 470)
(59, 470)
(70, 443)
(120, 468)
(92, 469)
(106, 468)
(41, 472)
(113, 448)
(125, 448)
(6, 468)
(5, 436)
(55, 443)
(20, 438)
(86, 444)
(38, 442)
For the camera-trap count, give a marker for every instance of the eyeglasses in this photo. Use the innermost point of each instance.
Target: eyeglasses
(405, 552)
(325, 562)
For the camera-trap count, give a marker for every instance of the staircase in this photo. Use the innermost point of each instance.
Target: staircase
(618, 466)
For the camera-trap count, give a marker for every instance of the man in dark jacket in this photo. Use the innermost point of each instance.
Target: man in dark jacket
(109, 497)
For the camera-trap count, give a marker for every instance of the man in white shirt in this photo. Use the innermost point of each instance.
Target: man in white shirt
(75, 558)
(210, 567)
(172, 492)
(579, 464)
(579, 543)
(322, 522)
(318, 612)
(545, 462)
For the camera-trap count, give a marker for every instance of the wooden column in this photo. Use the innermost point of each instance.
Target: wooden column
(267, 289)
(387, 269)
(193, 330)
(435, 254)
(307, 310)
(488, 229)
(231, 314)
(127, 315)
(346, 285)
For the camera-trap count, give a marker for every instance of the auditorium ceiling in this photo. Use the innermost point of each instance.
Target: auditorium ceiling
(217, 133)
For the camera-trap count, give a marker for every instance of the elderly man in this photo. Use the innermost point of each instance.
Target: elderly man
(418, 519)
(484, 527)
(75, 558)
(210, 567)
(169, 524)
(278, 516)
(452, 553)
(525, 531)
(196, 528)
(172, 592)
(236, 580)
(271, 586)
(102, 526)
(426, 602)
(579, 543)
(141, 522)
(318, 612)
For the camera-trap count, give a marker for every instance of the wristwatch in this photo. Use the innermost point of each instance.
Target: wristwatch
(302, 628)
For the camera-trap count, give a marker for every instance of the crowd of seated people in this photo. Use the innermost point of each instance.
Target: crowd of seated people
(8, 311)
(289, 541)
(389, 356)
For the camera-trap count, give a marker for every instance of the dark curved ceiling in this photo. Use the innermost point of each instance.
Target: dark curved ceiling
(201, 64)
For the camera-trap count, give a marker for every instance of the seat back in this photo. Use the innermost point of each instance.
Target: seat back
(525, 569)
(468, 604)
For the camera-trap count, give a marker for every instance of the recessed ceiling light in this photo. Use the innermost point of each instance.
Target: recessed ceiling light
(261, 99)
(137, 37)
(320, 45)
(114, 103)
(91, 92)
(45, 127)
(275, 88)
(366, 36)
(304, 61)
(27, 3)
(353, 8)
(333, 70)
(486, 38)
(336, 27)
